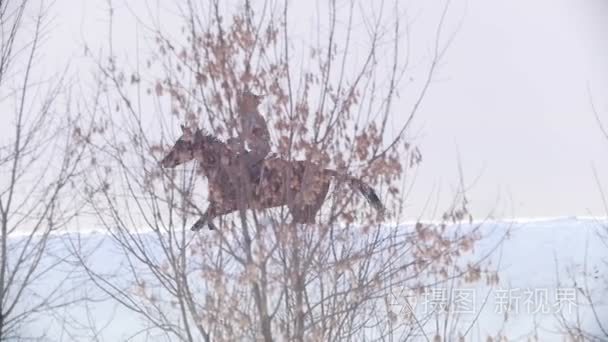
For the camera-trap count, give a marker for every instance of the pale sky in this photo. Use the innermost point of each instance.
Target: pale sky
(515, 104)
(511, 97)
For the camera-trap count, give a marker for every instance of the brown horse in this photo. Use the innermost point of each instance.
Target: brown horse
(300, 185)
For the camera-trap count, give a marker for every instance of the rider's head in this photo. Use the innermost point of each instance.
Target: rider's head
(248, 101)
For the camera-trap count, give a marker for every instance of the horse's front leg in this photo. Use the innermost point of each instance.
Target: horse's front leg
(205, 218)
(212, 212)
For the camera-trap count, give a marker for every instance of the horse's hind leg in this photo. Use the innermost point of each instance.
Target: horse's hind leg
(305, 213)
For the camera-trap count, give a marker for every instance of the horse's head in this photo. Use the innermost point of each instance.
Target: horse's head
(203, 147)
(183, 150)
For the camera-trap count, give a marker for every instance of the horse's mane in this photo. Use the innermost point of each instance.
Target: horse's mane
(210, 138)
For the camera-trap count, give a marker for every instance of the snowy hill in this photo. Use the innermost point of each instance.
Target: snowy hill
(541, 265)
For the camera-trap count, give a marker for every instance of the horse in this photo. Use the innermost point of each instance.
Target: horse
(300, 185)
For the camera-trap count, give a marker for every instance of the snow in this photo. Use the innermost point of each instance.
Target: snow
(538, 255)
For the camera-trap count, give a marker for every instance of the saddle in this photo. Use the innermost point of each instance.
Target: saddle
(255, 168)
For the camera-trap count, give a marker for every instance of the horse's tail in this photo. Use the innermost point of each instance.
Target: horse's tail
(359, 185)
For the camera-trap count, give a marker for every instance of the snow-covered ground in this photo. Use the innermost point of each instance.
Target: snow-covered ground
(541, 272)
(538, 255)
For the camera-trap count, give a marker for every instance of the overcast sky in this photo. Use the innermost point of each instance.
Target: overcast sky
(511, 98)
(515, 104)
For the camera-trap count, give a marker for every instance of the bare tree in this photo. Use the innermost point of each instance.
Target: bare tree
(259, 276)
(38, 166)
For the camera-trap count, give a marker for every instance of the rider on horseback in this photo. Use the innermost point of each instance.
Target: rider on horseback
(254, 133)
(300, 185)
